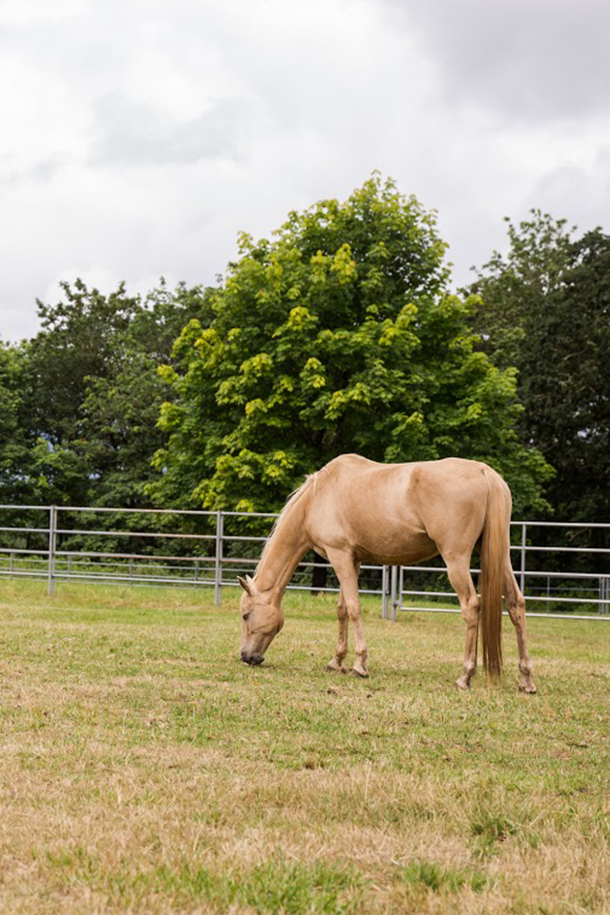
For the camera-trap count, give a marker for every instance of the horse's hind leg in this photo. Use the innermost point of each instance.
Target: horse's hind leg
(458, 569)
(515, 604)
(337, 661)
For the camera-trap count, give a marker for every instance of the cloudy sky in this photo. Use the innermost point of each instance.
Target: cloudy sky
(138, 137)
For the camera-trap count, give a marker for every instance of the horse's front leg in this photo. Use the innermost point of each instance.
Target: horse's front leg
(347, 570)
(337, 661)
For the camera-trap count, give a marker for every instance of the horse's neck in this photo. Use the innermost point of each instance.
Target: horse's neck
(284, 550)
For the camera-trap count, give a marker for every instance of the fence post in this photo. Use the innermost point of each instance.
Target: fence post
(604, 595)
(393, 590)
(52, 548)
(384, 592)
(523, 545)
(218, 563)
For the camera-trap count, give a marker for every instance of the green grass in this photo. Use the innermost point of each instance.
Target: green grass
(144, 769)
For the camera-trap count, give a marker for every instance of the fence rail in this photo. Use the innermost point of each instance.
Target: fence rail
(212, 560)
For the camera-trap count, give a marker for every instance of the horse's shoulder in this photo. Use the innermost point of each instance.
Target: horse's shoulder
(346, 461)
(352, 458)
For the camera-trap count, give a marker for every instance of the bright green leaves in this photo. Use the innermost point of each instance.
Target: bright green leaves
(336, 336)
(313, 375)
(256, 367)
(319, 268)
(300, 321)
(344, 266)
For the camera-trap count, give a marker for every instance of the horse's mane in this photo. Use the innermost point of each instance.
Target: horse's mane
(292, 499)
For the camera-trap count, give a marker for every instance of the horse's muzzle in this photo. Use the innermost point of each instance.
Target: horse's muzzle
(253, 659)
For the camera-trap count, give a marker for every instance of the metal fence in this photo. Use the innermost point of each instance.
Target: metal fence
(215, 556)
(563, 589)
(68, 545)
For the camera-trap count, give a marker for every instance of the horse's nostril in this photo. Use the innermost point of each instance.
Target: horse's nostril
(253, 659)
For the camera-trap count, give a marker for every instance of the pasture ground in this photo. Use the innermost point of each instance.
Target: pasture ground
(143, 769)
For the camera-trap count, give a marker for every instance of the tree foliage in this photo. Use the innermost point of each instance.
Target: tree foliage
(510, 287)
(547, 311)
(79, 402)
(14, 430)
(338, 335)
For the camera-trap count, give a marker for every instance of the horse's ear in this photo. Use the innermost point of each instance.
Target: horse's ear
(246, 584)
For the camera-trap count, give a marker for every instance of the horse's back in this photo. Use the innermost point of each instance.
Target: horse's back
(409, 510)
(458, 478)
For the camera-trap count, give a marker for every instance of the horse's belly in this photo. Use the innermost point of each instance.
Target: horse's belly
(401, 549)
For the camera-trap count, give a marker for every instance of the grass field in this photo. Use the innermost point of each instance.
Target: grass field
(143, 769)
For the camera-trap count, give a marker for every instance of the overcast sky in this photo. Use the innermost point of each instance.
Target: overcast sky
(137, 138)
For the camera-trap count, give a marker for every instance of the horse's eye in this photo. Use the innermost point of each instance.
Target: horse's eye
(245, 617)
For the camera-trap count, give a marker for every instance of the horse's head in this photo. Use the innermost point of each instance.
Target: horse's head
(261, 621)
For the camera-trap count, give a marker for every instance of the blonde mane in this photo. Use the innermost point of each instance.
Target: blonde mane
(292, 499)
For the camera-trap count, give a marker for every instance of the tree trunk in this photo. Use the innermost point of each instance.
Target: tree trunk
(319, 574)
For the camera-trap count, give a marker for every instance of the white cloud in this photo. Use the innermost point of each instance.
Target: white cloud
(140, 137)
(528, 60)
(581, 193)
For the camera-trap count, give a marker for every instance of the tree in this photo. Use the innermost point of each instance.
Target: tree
(14, 438)
(94, 393)
(338, 335)
(120, 408)
(565, 382)
(510, 288)
(76, 342)
(547, 310)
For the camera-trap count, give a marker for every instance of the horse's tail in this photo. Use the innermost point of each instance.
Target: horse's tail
(494, 547)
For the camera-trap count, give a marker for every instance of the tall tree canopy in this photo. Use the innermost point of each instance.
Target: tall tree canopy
(338, 335)
(15, 435)
(79, 402)
(547, 311)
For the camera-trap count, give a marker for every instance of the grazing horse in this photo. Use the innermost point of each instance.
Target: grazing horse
(354, 510)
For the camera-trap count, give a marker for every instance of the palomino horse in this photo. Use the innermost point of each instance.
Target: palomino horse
(354, 510)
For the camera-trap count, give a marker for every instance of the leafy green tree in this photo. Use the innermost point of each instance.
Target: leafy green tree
(94, 394)
(76, 342)
(511, 287)
(565, 382)
(547, 311)
(90, 395)
(14, 439)
(338, 335)
(32, 469)
(121, 407)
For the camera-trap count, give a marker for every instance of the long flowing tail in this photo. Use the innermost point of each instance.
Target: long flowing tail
(495, 544)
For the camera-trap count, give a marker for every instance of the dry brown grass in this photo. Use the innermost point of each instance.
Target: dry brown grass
(144, 770)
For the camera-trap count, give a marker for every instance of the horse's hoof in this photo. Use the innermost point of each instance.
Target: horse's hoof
(462, 683)
(336, 666)
(527, 688)
(359, 672)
